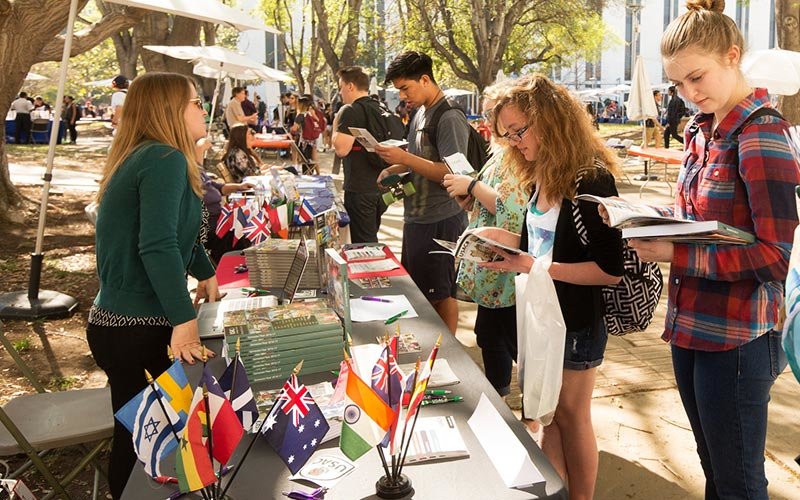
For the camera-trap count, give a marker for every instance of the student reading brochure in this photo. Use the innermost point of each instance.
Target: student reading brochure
(458, 164)
(369, 142)
(641, 221)
(477, 244)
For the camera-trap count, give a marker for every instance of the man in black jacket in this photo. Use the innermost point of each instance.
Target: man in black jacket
(675, 111)
(362, 200)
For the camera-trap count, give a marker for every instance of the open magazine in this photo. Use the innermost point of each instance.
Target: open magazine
(369, 142)
(476, 244)
(641, 221)
(622, 214)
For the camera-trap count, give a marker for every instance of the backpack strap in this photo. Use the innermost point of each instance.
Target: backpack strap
(432, 123)
(583, 234)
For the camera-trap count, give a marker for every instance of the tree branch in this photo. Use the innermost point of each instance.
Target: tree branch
(89, 37)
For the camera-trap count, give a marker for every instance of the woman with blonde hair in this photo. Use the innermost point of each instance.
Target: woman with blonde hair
(724, 300)
(148, 225)
(239, 157)
(551, 143)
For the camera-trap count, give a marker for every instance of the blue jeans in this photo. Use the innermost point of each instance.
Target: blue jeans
(725, 395)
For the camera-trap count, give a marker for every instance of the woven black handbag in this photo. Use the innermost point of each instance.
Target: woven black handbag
(631, 303)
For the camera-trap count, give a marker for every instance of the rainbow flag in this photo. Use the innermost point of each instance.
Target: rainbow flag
(367, 418)
(193, 465)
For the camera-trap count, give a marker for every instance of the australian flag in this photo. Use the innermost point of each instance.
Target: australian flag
(237, 388)
(295, 426)
(151, 424)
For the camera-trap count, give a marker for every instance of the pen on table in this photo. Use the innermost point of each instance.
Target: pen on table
(437, 392)
(395, 317)
(375, 299)
(255, 290)
(438, 401)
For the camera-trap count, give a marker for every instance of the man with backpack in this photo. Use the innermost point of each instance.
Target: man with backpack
(362, 199)
(436, 131)
(675, 111)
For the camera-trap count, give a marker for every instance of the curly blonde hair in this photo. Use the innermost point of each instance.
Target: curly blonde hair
(568, 140)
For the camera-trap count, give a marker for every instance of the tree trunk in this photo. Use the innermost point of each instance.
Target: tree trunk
(787, 17)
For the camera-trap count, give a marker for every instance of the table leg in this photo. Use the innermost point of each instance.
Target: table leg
(645, 176)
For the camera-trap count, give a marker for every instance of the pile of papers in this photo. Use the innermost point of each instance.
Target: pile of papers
(270, 261)
(274, 339)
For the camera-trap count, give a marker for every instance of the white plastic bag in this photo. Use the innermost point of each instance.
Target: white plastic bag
(540, 342)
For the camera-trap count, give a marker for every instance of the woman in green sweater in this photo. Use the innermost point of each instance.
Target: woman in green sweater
(148, 225)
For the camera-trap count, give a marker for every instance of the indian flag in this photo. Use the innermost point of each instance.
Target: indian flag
(366, 418)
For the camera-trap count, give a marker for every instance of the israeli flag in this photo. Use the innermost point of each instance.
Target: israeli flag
(151, 428)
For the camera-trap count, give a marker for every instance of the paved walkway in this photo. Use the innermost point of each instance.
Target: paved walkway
(646, 447)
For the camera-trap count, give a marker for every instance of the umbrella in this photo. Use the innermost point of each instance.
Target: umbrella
(34, 303)
(99, 83)
(373, 86)
(457, 92)
(207, 71)
(32, 77)
(641, 104)
(501, 77)
(776, 69)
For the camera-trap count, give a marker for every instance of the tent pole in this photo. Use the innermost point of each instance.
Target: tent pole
(33, 304)
(214, 102)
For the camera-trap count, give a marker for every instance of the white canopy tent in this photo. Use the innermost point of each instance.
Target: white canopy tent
(777, 70)
(222, 62)
(33, 303)
(99, 83)
(453, 92)
(34, 77)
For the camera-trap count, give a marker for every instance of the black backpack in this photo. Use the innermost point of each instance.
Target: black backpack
(477, 147)
(383, 125)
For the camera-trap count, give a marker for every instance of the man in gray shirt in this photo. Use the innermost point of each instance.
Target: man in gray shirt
(430, 213)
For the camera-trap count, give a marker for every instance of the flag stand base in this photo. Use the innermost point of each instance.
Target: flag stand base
(386, 488)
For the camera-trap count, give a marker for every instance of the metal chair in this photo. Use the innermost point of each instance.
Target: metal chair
(34, 424)
(40, 128)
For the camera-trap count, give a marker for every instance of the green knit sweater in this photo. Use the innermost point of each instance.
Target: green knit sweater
(147, 226)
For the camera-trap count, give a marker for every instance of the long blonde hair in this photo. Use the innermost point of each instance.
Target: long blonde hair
(568, 141)
(153, 111)
(703, 27)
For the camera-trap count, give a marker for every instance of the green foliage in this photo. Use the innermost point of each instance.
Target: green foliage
(22, 345)
(62, 383)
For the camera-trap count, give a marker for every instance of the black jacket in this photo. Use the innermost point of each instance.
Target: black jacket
(582, 306)
(675, 109)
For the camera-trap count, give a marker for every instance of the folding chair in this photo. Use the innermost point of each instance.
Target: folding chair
(34, 424)
(40, 128)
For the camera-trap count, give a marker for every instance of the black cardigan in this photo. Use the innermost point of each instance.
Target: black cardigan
(604, 248)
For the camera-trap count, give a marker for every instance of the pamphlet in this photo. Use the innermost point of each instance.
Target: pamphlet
(458, 164)
(435, 438)
(476, 245)
(441, 376)
(373, 266)
(353, 253)
(368, 141)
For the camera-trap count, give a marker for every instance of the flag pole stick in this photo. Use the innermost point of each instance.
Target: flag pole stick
(295, 371)
(393, 429)
(405, 424)
(209, 489)
(230, 397)
(416, 414)
(389, 395)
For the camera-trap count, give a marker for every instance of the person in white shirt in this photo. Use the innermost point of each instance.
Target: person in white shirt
(120, 86)
(234, 113)
(23, 108)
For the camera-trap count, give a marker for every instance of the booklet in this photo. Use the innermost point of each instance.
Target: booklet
(698, 232)
(622, 214)
(476, 245)
(354, 252)
(458, 164)
(435, 438)
(368, 141)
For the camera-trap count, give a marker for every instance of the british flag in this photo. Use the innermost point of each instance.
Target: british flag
(225, 220)
(387, 382)
(257, 229)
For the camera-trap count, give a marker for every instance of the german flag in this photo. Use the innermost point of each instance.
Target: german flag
(194, 468)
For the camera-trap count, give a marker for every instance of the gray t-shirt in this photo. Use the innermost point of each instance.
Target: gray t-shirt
(431, 203)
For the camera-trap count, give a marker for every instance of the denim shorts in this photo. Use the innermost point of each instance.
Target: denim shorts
(584, 348)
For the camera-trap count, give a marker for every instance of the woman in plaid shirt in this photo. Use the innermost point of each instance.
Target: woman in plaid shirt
(724, 300)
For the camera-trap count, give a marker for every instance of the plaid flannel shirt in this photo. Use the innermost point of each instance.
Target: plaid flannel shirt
(723, 296)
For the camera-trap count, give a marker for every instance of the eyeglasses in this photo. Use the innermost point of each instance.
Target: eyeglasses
(515, 137)
(197, 102)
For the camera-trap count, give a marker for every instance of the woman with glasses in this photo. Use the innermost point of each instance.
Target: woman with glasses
(148, 225)
(499, 201)
(240, 159)
(556, 153)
